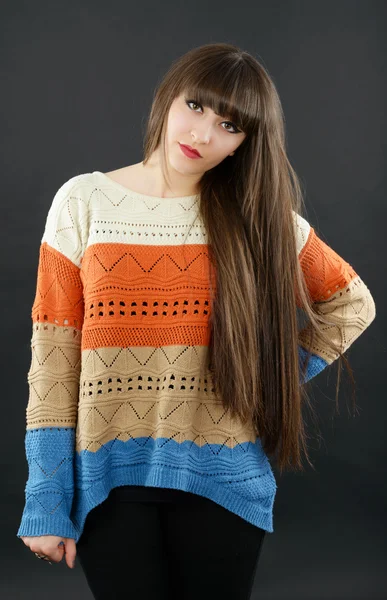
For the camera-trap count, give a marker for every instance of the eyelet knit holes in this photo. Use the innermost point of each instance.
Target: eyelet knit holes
(145, 313)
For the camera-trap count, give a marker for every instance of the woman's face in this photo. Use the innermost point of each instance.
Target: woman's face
(198, 126)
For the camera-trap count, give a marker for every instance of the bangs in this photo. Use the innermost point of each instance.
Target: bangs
(233, 97)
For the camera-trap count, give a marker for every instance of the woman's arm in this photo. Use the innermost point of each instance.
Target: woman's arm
(53, 377)
(338, 294)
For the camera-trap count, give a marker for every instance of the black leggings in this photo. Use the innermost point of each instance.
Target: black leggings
(191, 549)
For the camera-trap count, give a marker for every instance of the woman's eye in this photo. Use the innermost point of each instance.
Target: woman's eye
(236, 130)
(188, 102)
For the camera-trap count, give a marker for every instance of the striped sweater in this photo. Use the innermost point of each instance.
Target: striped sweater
(119, 393)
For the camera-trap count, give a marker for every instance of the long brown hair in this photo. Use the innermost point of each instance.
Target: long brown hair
(246, 204)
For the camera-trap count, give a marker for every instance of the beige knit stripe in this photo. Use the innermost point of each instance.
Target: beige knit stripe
(350, 313)
(110, 404)
(53, 376)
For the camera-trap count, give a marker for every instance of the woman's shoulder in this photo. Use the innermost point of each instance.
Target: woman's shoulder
(302, 230)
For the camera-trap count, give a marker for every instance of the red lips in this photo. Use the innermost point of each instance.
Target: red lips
(191, 149)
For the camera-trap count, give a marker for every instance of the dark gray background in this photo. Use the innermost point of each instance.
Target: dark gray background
(77, 82)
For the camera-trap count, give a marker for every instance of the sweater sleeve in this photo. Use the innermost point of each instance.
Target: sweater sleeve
(338, 294)
(53, 378)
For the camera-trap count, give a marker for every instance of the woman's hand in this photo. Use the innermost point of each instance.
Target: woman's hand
(53, 546)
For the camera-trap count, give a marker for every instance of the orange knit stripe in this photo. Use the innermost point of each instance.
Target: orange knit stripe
(138, 266)
(111, 336)
(59, 294)
(145, 295)
(134, 293)
(325, 271)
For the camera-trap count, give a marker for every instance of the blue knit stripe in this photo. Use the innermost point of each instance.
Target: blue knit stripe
(240, 479)
(315, 366)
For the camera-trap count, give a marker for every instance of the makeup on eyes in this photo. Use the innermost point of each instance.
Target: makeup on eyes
(236, 130)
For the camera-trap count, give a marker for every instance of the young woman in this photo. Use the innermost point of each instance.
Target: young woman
(168, 362)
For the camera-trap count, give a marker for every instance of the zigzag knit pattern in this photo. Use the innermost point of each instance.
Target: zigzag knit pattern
(119, 391)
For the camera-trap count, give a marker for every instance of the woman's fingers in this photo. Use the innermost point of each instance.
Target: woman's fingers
(52, 546)
(71, 552)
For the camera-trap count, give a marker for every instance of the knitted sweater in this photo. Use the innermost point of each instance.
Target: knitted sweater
(119, 393)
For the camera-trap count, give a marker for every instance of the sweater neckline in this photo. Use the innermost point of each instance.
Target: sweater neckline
(140, 196)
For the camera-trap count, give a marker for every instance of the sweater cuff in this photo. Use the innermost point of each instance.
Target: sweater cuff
(47, 525)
